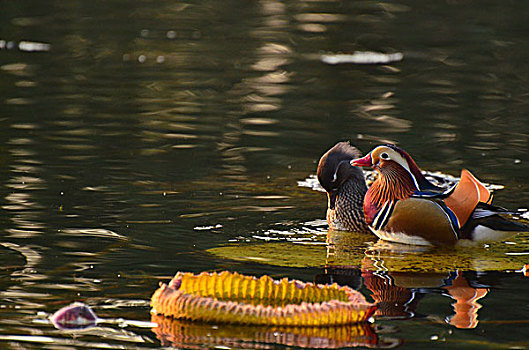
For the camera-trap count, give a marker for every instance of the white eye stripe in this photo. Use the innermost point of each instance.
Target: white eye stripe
(404, 163)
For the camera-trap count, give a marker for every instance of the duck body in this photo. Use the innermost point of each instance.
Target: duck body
(403, 206)
(345, 186)
(409, 221)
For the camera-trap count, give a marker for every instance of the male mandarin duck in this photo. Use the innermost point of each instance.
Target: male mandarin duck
(403, 206)
(346, 187)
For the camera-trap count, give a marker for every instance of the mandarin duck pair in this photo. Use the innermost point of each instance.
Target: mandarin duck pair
(402, 205)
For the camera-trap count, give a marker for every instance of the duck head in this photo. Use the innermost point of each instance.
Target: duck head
(335, 168)
(345, 186)
(393, 163)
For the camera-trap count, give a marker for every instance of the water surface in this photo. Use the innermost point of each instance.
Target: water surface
(138, 136)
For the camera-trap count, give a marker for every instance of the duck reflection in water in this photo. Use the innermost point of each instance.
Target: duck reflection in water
(398, 294)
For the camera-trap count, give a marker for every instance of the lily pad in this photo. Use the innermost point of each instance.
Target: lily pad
(357, 250)
(286, 254)
(234, 298)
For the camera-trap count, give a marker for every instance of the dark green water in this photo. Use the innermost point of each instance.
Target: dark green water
(149, 132)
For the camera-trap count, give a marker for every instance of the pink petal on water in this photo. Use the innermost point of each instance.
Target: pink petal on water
(74, 316)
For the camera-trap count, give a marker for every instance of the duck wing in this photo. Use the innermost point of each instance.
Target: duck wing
(490, 218)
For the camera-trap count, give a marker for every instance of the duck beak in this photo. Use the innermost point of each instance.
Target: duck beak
(366, 161)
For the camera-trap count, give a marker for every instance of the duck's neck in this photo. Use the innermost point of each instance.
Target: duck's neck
(392, 184)
(348, 213)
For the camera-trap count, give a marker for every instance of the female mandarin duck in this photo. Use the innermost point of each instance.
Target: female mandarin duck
(345, 186)
(403, 206)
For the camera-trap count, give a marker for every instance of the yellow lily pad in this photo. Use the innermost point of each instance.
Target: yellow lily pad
(234, 298)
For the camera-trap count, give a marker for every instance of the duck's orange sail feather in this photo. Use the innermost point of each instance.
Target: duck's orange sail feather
(466, 196)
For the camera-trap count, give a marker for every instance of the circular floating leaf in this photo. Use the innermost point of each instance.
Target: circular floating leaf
(234, 298)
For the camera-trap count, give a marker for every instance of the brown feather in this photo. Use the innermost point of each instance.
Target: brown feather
(393, 183)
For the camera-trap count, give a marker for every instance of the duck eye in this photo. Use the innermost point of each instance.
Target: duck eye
(384, 156)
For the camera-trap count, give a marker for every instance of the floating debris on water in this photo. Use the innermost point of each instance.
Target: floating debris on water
(74, 316)
(6, 45)
(362, 57)
(206, 228)
(27, 46)
(31, 46)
